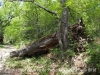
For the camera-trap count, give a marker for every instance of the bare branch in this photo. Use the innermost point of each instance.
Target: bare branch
(45, 9)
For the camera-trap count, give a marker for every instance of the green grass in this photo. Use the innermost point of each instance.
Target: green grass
(1, 46)
(94, 54)
(42, 64)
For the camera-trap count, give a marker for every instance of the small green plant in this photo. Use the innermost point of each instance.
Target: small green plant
(1, 46)
(14, 63)
(44, 71)
(56, 51)
(70, 53)
(94, 53)
(24, 72)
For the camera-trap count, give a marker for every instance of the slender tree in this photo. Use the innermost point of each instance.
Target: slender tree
(64, 27)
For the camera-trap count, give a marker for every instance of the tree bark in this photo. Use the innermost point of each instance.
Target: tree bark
(40, 45)
(64, 23)
(61, 37)
(78, 35)
(64, 28)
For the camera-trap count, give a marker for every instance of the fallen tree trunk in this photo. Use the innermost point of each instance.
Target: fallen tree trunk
(77, 33)
(40, 45)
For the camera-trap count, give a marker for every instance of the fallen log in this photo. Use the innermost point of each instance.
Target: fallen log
(77, 33)
(40, 45)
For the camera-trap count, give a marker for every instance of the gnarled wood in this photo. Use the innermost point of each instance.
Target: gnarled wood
(40, 45)
(77, 33)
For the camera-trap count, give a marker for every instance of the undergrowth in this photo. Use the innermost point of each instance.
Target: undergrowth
(43, 65)
(94, 53)
(1, 46)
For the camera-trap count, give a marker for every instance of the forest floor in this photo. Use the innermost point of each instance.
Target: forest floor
(4, 53)
(77, 67)
(48, 64)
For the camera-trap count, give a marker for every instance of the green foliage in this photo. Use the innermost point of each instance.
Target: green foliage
(24, 21)
(1, 46)
(70, 53)
(56, 51)
(13, 31)
(94, 53)
(86, 9)
(14, 64)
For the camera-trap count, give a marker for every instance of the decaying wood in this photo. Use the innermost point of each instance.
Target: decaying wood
(77, 33)
(41, 45)
(77, 30)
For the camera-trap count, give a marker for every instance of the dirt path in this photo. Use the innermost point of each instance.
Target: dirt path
(4, 53)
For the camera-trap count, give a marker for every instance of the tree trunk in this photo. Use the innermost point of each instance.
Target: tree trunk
(40, 45)
(60, 37)
(78, 35)
(64, 28)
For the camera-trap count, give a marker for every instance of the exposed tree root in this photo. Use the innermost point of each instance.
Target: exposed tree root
(77, 33)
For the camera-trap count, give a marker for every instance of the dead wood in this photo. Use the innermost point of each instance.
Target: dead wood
(40, 45)
(77, 33)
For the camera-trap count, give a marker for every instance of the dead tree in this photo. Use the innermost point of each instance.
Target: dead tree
(40, 45)
(64, 23)
(61, 37)
(47, 42)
